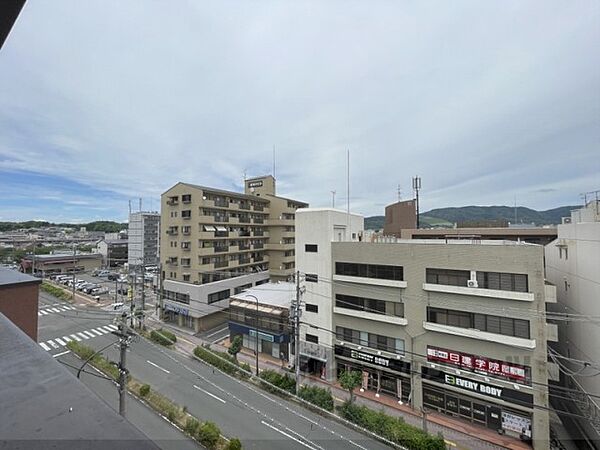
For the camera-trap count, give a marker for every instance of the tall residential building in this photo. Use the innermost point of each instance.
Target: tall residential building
(573, 265)
(214, 243)
(454, 327)
(143, 238)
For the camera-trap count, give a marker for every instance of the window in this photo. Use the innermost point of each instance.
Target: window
(447, 277)
(312, 338)
(506, 326)
(312, 277)
(218, 296)
(177, 297)
(379, 271)
(311, 248)
(186, 214)
(312, 308)
(239, 289)
(372, 340)
(186, 277)
(186, 198)
(503, 281)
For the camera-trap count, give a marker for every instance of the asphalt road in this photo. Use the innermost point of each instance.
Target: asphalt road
(259, 419)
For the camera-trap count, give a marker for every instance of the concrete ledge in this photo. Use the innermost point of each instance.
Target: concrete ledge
(478, 292)
(371, 316)
(511, 341)
(371, 281)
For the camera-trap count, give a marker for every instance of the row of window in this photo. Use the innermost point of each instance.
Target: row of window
(483, 322)
(218, 296)
(176, 297)
(265, 321)
(372, 340)
(378, 271)
(515, 282)
(370, 305)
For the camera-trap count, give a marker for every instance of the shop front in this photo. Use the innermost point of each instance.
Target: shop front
(477, 402)
(274, 345)
(178, 315)
(380, 374)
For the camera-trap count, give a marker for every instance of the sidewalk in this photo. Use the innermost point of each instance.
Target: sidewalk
(457, 433)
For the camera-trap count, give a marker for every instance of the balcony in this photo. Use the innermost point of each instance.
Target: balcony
(244, 206)
(259, 220)
(242, 219)
(511, 341)
(186, 198)
(221, 249)
(370, 316)
(243, 261)
(173, 201)
(185, 263)
(172, 261)
(258, 246)
(280, 222)
(258, 258)
(186, 248)
(243, 247)
(172, 232)
(479, 292)
(281, 272)
(371, 281)
(220, 264)
(279, 247)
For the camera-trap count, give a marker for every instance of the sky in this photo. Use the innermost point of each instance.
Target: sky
(106, 101)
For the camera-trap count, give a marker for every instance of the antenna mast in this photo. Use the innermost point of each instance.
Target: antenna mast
(417, 187)
(333, 199)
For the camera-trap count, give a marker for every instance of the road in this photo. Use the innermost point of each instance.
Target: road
(241, 410)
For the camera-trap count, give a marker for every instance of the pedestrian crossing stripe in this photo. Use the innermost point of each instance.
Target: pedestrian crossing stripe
(58, 342)
(47, 310)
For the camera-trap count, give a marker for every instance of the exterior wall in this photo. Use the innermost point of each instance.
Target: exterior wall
(415, 257)
(86, 265)
(321, 227)
(540, 236)
(19, 302)
(400, 216)
(573, 266)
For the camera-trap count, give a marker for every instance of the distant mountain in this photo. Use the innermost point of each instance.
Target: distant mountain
(482, 214)
(101, 225)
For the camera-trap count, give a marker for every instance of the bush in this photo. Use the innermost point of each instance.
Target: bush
(171, 415)
(160, 337)
(191, 426)
(234, 444)
(98, 361)
(284, 381)
(318, 396)
(209, 434)
(216, 359)
(55, 291)
(391, 428)
(144, 390)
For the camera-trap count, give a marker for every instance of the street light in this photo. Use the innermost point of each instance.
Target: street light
(256, 329)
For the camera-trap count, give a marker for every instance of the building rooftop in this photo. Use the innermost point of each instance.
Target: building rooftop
(223, 192)
(45, 406)
(273, 294)
(116, 241)
(62, 257)
(468, 240)
(499, 231)
(9, 277)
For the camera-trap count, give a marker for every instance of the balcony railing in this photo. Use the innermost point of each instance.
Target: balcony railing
(219, 264)
(259, 208)
(222, 203)
(242, 219)
(221, 249)
(221, 218)
(244, 261)
(259, 233)
(257, 220)
(257, 246)
(244, 234)
(186, 249)
(172, 232)
(244, 206)
(172, 202)
(258, 258)
(244, 247)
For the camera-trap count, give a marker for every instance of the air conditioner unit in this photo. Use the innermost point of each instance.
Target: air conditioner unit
(472, 283)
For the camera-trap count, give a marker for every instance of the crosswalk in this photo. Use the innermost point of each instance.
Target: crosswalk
(62, 341)
(53, 309)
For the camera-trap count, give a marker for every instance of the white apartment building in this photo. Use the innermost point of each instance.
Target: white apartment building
(573, 266)
(143, 238)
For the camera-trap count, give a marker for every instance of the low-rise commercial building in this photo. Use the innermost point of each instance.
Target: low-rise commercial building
(19, 300)
(265, 312)
(455, 326)
(114, 252)
(63, 263)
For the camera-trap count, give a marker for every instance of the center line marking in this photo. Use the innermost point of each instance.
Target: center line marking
(288, 435)
(212, 395)
(157, 366)
(60, 354)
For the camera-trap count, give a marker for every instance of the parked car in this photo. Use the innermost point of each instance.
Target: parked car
(103, 273)
(99, 291)
(113, 276)
(116, 306)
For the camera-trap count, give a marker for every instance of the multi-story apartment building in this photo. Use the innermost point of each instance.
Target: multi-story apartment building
(455, 327)
(143, 238)
(573, 265)
(214, 241)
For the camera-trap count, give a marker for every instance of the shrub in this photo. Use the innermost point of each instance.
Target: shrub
(144, 390)
(217, 359)
(98, 361)
(160, 338)
(170, 336)
(391, 428)
(191, 426)
(236, 346)
(318, 396)
(171, 415)
(234, 444)
(55, 291)
(282, 381)
(209, 434)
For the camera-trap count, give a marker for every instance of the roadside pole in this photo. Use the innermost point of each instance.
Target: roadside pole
(142, 322)
(73, 287)
(297, 332)
(123, 335)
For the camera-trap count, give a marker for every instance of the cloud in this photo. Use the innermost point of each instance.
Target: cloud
(483, 100)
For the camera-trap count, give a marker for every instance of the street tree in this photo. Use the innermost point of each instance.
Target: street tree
(350, 380)
(236, 346)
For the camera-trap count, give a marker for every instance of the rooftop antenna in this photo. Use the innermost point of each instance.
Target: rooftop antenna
(333, 199)
(140, 203)
(399, 193)
(273, 160)
(244, 183)
(129, 206)
(515, 209)
(416, 181)
(348, 189)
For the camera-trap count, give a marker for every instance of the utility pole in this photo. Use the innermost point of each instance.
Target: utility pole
(159, 293)
(143, 295)
(123, 335)
(33, 261)
(333, 199)
(74, 255)
(417, 187)
(297, 332)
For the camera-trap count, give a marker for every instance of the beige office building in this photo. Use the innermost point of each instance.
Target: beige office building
(455, 327)
(215, 243)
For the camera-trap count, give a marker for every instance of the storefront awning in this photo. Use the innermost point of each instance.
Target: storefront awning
(220, 228)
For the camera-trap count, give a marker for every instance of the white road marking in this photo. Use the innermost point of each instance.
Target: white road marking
(67, 338)
(287, 435)
(108, 330)
(60, 354)
(102, 330)
(95, 332)
(51, 342)
(39, 313)
(64, 309)
(83, 335)
(60, 341)
(113, 327)
(157, 366)
(74, 336)
(90, 334)
(217, 332)
(212, 395)
(44, 312)
(44, 346)
(70, 307)
(54, 309)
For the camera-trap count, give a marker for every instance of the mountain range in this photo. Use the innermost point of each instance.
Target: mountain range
(481, 215)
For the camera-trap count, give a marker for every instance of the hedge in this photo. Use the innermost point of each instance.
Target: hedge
(282, 381)
(162, 337)
(55, 291)
(208, 434)
(98, 361)
(391, 428)
(317, 396)
(216, 359)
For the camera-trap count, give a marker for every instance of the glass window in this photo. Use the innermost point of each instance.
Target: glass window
(493, 324)
(312, 338)
(312, 277)
(521, 328)
(312, 308)
(311, 248)
(399, 309)
(507, 326)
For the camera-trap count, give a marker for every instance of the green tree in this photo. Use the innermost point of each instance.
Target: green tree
(236, 346)
(350, 380)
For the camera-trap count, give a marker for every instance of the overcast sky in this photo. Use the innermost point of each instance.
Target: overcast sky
(102, 101)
